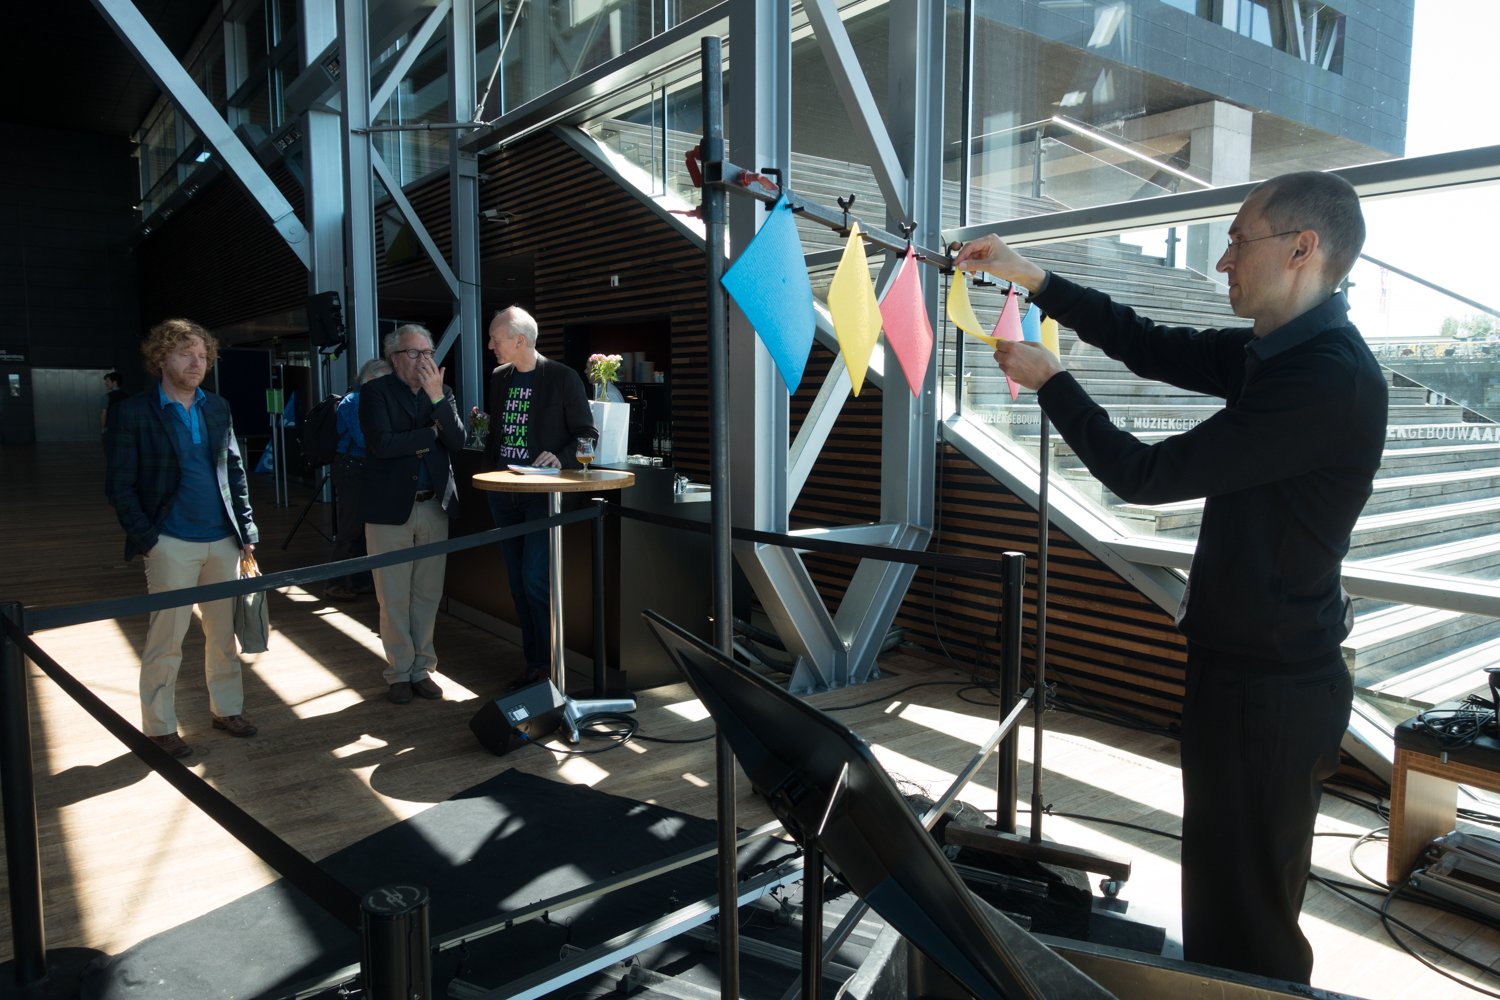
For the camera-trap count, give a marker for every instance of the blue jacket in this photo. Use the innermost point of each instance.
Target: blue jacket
(143, 470)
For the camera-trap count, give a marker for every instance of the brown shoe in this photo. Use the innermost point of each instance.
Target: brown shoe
(175, 745)
(427, 688)
(400, 693)
(235, 725)
(339, 592)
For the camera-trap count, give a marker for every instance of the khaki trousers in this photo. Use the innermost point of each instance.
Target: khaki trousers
(409, 592)
(173, 565)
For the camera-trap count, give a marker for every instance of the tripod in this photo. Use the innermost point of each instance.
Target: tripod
(317, 492)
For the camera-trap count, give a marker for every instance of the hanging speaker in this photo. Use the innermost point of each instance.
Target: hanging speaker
(532, 713)
(325, 320)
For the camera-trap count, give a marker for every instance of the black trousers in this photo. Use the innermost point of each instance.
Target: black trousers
(1256, 748)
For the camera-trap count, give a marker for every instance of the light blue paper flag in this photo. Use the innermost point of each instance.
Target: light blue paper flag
(1031, 325)
(769, 284)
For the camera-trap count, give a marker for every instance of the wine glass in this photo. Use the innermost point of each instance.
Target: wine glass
(585, 453)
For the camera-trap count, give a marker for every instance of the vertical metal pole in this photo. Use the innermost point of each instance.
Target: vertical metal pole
(463, 207)
(361, 308)
(812, 919)
(966, 182)
(599, 645)
(23, 861)
(1036, 166)
(395, 947)
(1039, 697)
(555, 590)
(1008, 754)
(714, 218)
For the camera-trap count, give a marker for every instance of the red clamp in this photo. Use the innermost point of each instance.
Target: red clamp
(748, 177)
(694, 158)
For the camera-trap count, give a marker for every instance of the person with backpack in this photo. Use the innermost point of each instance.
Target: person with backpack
(348, 475)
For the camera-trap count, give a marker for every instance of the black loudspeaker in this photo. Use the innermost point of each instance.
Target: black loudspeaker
(532, 713)
(325, 320)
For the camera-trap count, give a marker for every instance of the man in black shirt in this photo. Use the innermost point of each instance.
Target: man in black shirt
(538, 410)
(1286, 468)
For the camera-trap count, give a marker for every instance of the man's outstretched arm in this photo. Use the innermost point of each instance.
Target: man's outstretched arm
(1206, 361)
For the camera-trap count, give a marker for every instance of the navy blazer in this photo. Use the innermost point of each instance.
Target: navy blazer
(394, 434)
(143, 470)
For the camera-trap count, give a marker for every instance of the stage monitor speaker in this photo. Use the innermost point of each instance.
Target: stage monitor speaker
(530, 714)
(325, 320)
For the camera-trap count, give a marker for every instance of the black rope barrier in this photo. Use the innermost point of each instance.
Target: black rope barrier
(337, 899)
(931, 560)
(122, 607)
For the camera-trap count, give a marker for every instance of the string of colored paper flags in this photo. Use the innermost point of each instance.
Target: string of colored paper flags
(769, 283)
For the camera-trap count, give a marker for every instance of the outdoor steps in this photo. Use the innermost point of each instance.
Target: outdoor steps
(1394, 496)
(1478, 558)
(1400, 461)
(1447, 678)
(1387, 642)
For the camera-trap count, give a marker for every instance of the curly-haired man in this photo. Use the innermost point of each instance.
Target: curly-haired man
(178, 486)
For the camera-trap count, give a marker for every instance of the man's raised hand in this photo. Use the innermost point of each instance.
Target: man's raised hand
(991, 255)
(1027, 363)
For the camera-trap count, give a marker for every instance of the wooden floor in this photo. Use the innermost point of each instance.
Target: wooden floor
(124, 856)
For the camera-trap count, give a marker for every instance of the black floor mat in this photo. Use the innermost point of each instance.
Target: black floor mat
(509, 841)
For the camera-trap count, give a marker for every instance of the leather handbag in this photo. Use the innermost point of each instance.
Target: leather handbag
(252, 618)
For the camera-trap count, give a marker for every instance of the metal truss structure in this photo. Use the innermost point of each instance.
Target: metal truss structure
(769, 467)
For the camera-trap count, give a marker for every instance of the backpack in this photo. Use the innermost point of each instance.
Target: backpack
(320, 432)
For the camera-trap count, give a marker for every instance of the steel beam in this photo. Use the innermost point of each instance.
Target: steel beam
(1388, 178)
(323, 178)
(409, 56)
(463, 211)
(361, 309)
(429, 247)
(859, 104)
(816, 427)
(163, 67)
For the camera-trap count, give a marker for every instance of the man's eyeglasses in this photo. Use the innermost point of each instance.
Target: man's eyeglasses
(415, 354)
(1237, 242)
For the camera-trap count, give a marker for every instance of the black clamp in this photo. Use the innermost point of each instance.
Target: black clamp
(847, 206)
(907, 228)
(780, 188)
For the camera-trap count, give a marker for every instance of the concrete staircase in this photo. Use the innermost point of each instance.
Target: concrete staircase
(1436, 502)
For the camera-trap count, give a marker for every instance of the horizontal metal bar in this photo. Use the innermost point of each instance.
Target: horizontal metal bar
(593, 890)
(633, 942)
(735, 180)
(419, 127)
(626, 76)
(1425, 590)
(1480, 165)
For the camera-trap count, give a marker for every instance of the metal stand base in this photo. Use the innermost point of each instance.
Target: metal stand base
(577, 708)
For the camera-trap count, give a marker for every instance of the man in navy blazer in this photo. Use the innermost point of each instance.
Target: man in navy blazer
(178, 486)
(411, 426)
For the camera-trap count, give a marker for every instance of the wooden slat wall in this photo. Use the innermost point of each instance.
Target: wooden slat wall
(218, 261)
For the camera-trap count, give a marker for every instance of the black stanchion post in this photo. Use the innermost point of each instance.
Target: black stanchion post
(23, 862)
(1008, 754)
(1039, 696)
(714, 217)
(395, 946)
(599, 611)
(812, 920)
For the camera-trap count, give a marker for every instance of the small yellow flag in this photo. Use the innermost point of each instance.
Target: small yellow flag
(1049, 336)
(855, 310)
(962, 313)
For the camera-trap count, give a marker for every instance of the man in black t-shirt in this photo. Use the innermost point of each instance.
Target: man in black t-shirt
(538, 410)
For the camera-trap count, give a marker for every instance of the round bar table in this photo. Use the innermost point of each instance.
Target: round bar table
(567, 481)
